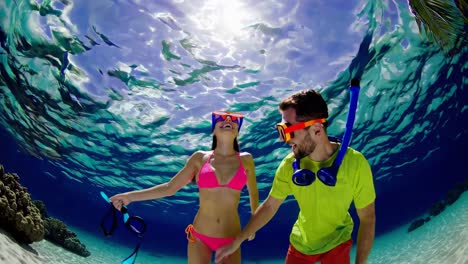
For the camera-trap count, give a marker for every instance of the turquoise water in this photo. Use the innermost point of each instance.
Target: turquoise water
(115, 95)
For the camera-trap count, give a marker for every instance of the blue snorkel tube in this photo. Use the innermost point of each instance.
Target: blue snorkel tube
(328, 175)
(354, 90)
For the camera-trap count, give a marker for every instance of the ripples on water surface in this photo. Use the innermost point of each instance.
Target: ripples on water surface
(115, 95)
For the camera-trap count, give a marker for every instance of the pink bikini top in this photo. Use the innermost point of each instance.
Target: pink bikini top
(207, 177)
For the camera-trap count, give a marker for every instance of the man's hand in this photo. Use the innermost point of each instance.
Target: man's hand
(224, 252)
(262, 215)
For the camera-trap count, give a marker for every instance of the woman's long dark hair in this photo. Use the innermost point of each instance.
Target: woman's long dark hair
(236, 144)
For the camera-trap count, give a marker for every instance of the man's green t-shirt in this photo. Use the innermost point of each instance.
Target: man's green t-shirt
(324, 221)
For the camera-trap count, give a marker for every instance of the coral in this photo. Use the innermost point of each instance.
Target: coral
(42, 209)
(438, 207)
(57, 232)
(28, 221)
(417, 223)
(19, 215)
(455, 192)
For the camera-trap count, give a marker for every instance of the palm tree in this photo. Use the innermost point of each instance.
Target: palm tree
(442, 21)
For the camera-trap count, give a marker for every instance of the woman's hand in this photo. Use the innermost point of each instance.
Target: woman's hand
(119, 200)
(251, 237)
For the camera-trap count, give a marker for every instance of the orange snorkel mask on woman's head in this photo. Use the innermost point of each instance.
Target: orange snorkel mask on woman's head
(218, 116)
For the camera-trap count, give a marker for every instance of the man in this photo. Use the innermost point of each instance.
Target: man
(322, 231)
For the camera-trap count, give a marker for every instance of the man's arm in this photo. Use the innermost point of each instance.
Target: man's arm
(366, 232)
(261, 217)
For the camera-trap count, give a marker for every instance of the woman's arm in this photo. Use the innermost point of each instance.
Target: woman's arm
(249, 166)
(181, 179)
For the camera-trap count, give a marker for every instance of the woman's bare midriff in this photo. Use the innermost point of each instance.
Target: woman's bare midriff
(218, 213)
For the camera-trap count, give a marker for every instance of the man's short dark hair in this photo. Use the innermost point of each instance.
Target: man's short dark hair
(309, 104)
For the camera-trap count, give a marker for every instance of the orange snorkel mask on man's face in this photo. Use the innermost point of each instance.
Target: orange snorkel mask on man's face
(286, 130)
(218, 116)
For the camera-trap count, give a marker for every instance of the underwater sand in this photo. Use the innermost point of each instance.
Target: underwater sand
(444, 239)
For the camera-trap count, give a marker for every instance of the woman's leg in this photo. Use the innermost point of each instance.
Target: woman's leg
(198, 253)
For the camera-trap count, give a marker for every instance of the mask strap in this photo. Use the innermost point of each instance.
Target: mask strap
(131, 259)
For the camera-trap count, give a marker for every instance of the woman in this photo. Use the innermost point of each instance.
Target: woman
(220, 175)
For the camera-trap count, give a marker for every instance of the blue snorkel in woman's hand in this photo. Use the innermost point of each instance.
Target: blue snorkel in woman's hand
(135, 224)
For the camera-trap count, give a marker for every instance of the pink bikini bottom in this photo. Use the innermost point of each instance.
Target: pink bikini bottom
(212, 242)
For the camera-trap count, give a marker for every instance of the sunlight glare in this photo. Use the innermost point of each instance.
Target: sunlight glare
(224, 18)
